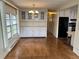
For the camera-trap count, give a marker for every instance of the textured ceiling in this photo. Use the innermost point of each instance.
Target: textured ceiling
(51, 4)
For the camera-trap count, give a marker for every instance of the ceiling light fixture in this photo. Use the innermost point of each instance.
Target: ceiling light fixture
(33, 11)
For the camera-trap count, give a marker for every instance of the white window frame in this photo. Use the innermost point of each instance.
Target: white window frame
(11, 25)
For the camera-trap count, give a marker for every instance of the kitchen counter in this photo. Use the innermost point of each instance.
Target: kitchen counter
(72, 34)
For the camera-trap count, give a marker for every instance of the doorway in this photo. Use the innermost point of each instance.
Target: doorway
(63, 27)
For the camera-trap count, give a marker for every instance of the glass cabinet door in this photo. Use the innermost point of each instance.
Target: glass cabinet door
(30, 16)
(42, 15)
(33, 16)
(36, 16)
(23, 14)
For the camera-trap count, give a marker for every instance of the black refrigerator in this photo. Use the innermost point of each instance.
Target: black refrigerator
(63, 27)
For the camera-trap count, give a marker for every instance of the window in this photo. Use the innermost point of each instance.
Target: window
(8, 25)
(11, 25)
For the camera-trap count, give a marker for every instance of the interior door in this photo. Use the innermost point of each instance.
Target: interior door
(63, 27)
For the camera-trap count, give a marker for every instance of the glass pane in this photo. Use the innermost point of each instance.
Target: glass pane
(7, 22)
(29, 15)
(36, 15)
(7, 16)
(12, 16)
(14, 32)
(13, 22)
(23, 15)
(8, 29)
(14, 27)
(9, 35)
(42, 15)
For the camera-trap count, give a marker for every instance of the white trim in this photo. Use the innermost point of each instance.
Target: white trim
(10, 48)
(10, 4)
(76, 52)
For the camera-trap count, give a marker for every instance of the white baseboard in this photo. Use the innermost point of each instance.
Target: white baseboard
(75, 52)
(6, 53)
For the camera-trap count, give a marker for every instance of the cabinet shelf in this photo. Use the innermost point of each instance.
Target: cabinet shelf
(33, 26)
(33, 20)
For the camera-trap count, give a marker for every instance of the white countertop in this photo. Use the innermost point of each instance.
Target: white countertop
(70, 33)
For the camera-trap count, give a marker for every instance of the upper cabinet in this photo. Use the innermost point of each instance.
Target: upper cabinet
(61, 13)
(25, 15)
(73, 12)
(69, 12)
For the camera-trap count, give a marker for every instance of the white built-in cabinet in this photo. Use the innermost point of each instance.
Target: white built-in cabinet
(33, 32)
(33, 26)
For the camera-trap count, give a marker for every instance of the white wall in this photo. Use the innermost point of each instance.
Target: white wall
(50, 23)
(55, 25)
(50, 26)
(76, 39)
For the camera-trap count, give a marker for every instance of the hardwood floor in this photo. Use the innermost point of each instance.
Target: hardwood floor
(41, 48)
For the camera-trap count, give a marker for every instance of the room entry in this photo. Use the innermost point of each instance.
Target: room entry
(63, 27)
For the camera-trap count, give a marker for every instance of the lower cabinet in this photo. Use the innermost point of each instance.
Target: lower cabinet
(33, 32)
